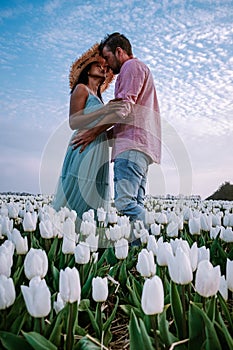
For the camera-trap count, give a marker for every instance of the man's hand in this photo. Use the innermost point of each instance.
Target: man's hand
(83, 138)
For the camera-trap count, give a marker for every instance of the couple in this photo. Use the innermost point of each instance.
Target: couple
(131, 121)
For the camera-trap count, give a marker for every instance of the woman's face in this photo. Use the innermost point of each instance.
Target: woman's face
(98, 69)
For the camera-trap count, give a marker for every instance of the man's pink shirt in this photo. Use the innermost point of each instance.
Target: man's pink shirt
(140, 126)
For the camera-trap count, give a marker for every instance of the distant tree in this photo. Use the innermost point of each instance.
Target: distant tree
(224, 192)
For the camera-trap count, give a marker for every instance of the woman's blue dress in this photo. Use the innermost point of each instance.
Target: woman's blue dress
(84, 180)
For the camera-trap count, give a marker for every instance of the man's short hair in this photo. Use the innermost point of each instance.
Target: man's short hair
(114, 40)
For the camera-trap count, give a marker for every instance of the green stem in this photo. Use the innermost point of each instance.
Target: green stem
(154, 322)
(184, 312)
(37, 325)
(70, 335)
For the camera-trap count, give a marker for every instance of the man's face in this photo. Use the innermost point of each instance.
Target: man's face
(111, 60)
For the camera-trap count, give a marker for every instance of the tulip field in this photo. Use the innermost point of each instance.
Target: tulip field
(113, 285)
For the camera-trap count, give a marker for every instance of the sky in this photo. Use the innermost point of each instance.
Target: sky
(188, 45)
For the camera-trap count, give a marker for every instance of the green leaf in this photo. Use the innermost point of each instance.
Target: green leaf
(135, 336)
(11, 341)
(145, 336)
(177, 310)
(223, 329)
(111, 317)
(211, 308)
(163, 325)
(123, 274)
(53, 250)
(86, 344)
(38, 342)
(212, 341)
(226, 312)
(18, 323)
(94, 323)
(128, 308)
(196, 328)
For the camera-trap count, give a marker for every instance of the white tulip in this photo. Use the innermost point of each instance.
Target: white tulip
(146, 264)
(7, 292)
(121, 248)
(223, 289)
(163, 253)
(69, 237)
(6, 258)
(194, 226)
(82, 253)
(115, 232)
(112, 217)
(179, 267)
(21, 243)
(214, 231)
(229, 274)
(37, 297)
(205, 222)
(93, 241)
(87, 228)
(203, 254)
(46, 229)
(35, 263)
(226, 234)
(207, 279)
(172, 229)
(155, 229)
(101, 214)
(99, 289)
(59, 304)
(29, 221)
(152, 296)
(152, 244)
(69, 285)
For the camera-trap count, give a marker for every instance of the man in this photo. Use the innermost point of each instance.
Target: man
(136, 130)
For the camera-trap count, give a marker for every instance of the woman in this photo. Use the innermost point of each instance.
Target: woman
(84, 181)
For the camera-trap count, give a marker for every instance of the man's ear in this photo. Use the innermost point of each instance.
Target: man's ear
(118, 52)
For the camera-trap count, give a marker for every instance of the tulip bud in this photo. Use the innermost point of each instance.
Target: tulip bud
(69, 285)
(207, 279)
(146, 264)
(82, 253)
(21, 243)
(35, 263)
(152, 296)
(121, 248)
(7, 292)
(99, 289)
(37, 297)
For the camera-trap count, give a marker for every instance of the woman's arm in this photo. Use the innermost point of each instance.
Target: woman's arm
(77, 119)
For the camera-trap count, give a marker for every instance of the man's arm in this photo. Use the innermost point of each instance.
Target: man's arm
(85, 137)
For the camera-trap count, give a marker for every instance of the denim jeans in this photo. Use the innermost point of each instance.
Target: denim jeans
(130, 175)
